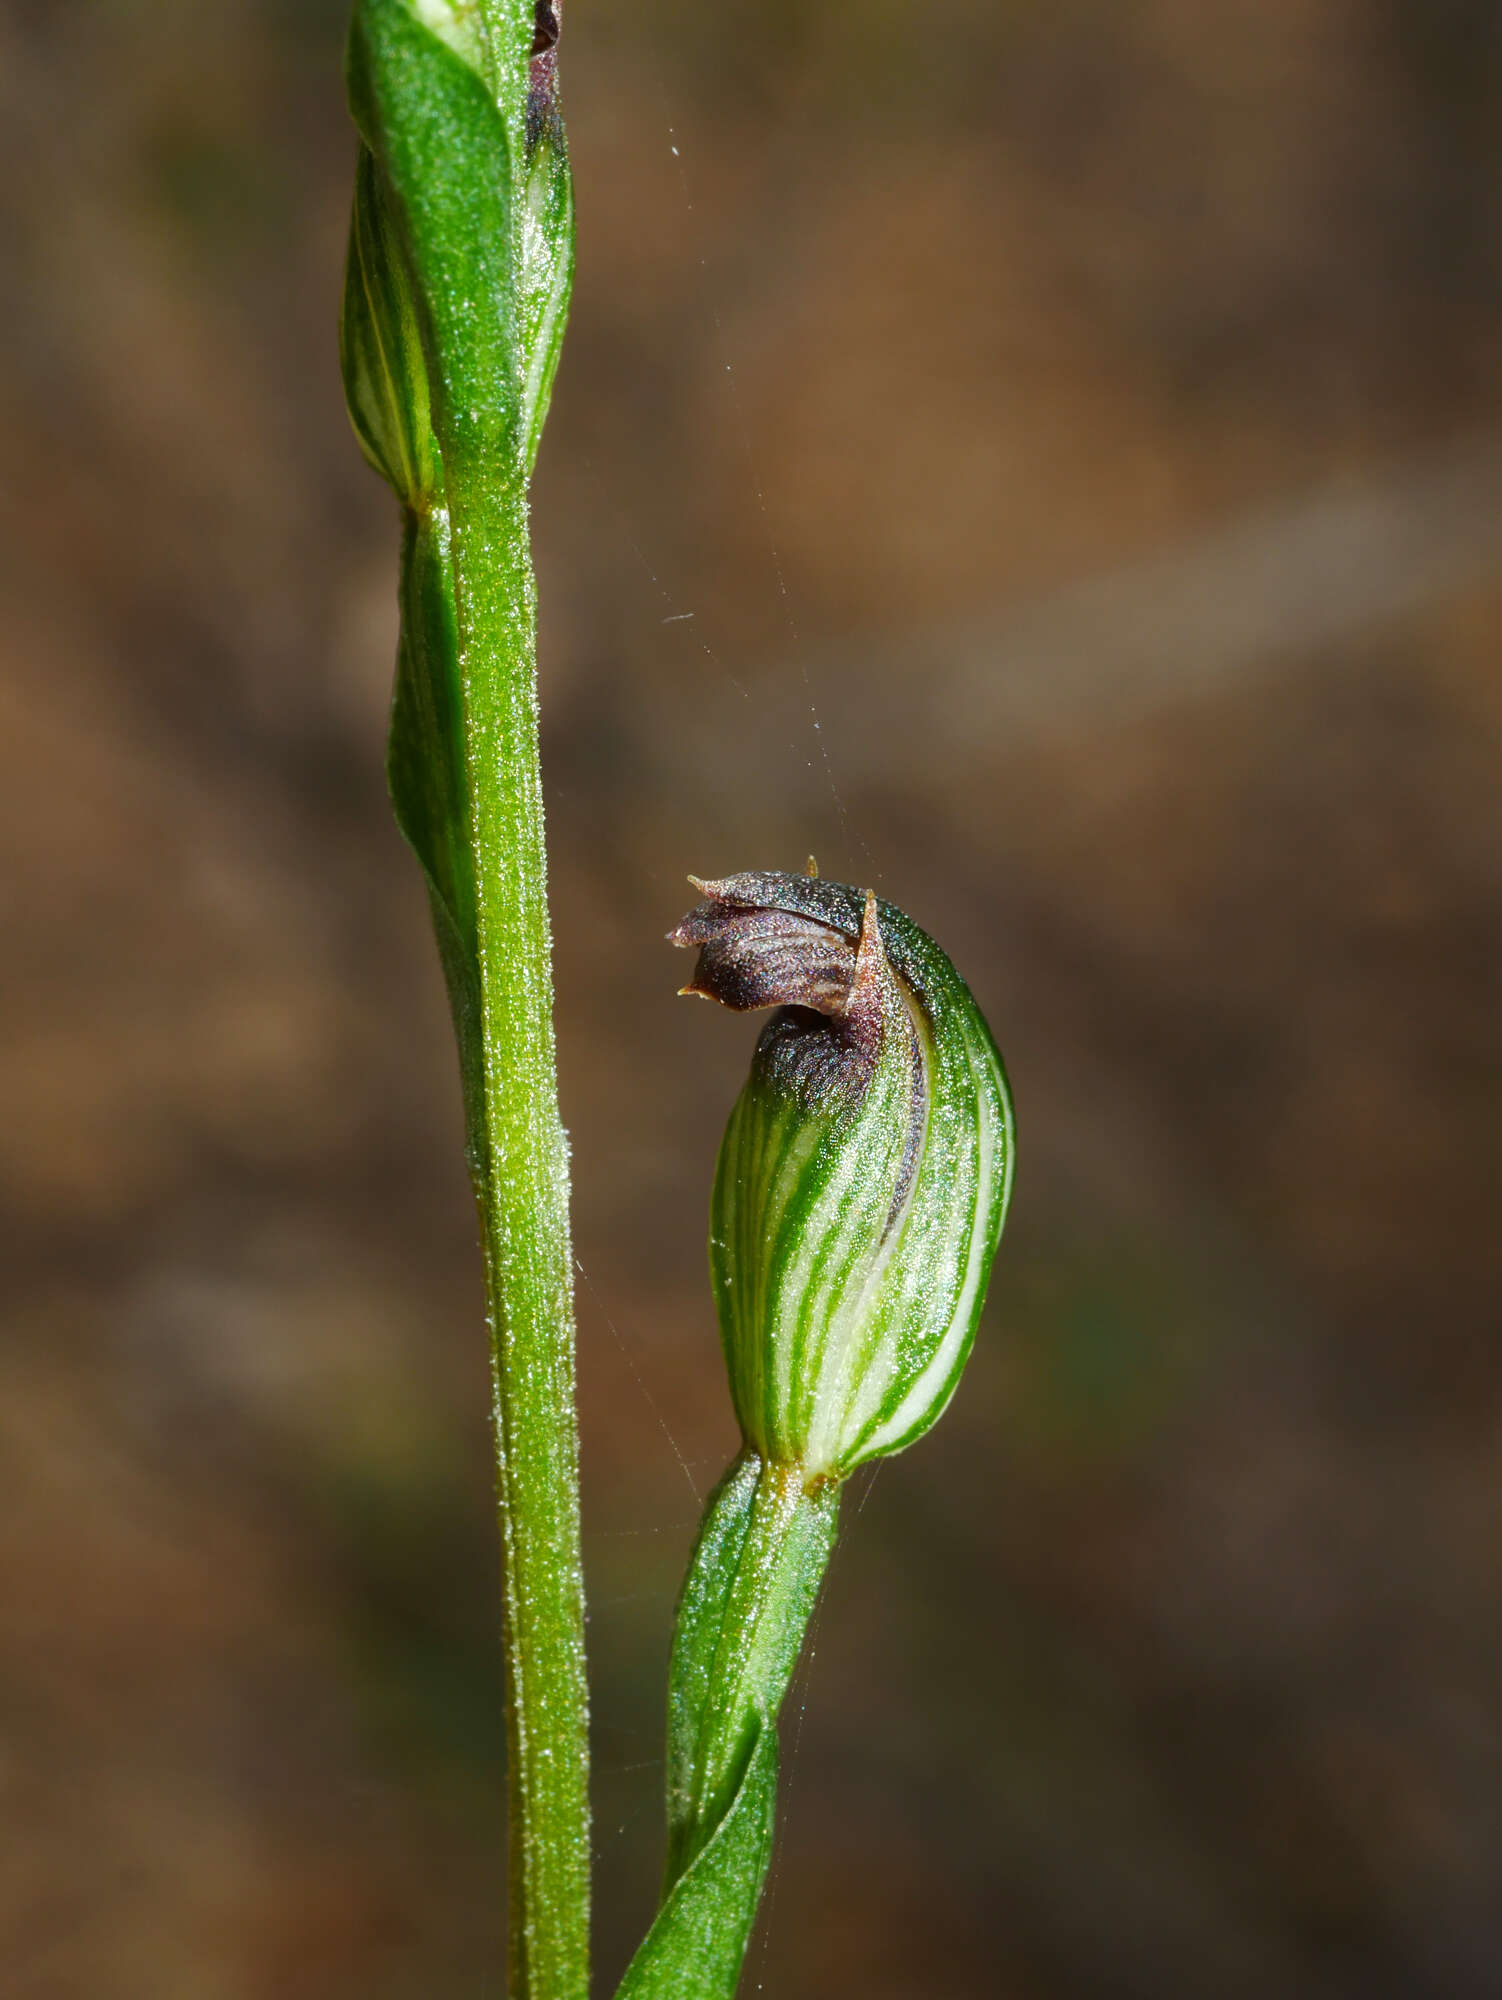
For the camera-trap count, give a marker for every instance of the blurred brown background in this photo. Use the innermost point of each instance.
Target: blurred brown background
(1076, 432)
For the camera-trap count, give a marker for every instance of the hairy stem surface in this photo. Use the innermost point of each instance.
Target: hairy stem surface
(520, 1165)
(461, 253)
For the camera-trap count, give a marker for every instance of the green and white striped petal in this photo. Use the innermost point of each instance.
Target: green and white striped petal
(864, 1175)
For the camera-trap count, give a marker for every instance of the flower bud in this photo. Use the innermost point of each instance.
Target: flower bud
(462, 237)
(864, 1174)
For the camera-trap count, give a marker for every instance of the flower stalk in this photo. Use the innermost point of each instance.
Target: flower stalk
(460, 260)
(862, 1185)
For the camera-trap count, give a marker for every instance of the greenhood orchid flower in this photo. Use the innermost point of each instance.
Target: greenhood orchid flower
(864, 1174)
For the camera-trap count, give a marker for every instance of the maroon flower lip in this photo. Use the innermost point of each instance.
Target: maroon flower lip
(754, 956)
(838, 996)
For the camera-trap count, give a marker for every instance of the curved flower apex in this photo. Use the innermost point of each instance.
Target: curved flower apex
(864, 1174)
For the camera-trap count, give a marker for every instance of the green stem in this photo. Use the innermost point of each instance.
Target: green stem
(762, 1551)
(752, 1583)
(519, 1160)
(460, 257)
(466, 686)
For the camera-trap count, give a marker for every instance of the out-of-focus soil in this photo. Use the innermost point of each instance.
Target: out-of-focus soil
(1076, 433)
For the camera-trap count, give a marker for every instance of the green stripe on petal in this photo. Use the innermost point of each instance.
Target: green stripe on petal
(865, 1172)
